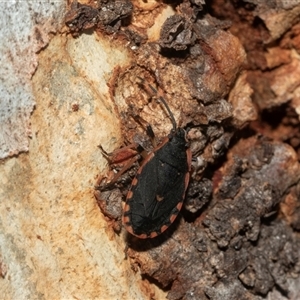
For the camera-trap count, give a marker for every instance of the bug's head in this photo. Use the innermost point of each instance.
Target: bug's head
(179, 138)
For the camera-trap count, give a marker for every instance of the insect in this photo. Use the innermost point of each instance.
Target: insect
(157, 192)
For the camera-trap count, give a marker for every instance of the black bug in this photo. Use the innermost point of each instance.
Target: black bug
(158, 190)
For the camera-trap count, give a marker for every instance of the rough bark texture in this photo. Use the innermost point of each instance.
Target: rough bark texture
(229, 70)
(232, 239)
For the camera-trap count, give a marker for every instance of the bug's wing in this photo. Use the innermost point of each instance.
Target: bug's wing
(160, 188)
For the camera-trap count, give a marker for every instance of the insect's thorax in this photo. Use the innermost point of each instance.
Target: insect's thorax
(174, 151)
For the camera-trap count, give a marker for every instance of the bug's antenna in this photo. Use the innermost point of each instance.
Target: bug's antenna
(161, 99)
(164, 102)
(169, 111)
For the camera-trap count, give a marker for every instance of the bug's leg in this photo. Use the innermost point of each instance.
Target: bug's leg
(127, 166)
(147, 127)
(125, 157)
(120, 155)
(105, 182)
